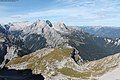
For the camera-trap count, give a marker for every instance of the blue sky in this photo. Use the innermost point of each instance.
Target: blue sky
(71, 12)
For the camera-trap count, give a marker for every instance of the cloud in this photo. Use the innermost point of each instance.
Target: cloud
(82, 13)
(74, 11)
(47, 13)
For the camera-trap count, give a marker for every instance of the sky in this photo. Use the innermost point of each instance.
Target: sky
(71, 12)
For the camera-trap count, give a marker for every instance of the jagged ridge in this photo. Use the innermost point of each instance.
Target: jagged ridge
(53, 63)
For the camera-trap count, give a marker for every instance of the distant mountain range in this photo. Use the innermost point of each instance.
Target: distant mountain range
(110, 32)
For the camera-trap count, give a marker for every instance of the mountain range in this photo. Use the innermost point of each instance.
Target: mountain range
(101, 31)
(52, 49)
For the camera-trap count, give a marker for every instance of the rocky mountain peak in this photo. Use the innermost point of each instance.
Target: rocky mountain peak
(4, 29)
(42, 23)
(49, 23)
(39, 27)
(61, 27)
(19, 25)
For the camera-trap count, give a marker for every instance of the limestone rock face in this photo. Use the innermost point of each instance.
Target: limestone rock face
(10, 46)
(3, 48)
(42, 29)
(61, 27)
(19, 25)
(11, 53)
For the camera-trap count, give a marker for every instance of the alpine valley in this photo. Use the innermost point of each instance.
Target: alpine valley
(42, 50)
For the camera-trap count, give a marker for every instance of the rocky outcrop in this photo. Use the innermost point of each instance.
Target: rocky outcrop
(46, 62)
(3, 48)
(61, 27)
(4, 29)
(76, 57)
(57, 64)
(11, 53)
(10, 46)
